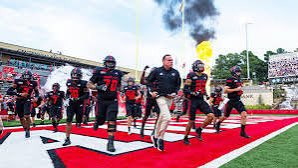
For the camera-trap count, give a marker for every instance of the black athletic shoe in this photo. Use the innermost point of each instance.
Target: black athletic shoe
(110, 145)
(199, 132)
(135, 125)
(177, 118)
(160, 145)
(142, 133)
(244, 135)
(194, 126)
(27, 134)
(78, 125)
(55, 129)
(186, 141)
(66, 142)
(154, 141)
(95, 126)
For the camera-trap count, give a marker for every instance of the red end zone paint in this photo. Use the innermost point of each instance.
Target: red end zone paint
(176, 155)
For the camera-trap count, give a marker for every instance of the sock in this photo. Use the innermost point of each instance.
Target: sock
(111, 138)
(243, 128)
(218, 123)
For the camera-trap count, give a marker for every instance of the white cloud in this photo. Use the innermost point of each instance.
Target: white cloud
(54, 27)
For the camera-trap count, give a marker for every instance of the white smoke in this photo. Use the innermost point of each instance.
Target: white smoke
(61, 75)
(291, 94)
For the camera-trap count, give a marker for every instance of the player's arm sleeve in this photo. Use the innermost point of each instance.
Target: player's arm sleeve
(12, 90)
(186, 88)
(120, 81)
(151, 78)
(63, 95)
(36, 91)
(178, 84)
(86, 92)
(67, 94)
(94, 78)
(143, 80)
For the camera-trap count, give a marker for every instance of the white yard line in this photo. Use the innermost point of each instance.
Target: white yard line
(236, 153)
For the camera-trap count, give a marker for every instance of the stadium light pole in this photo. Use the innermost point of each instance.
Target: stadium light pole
(181, 64)
(247, 55)
(137, 39)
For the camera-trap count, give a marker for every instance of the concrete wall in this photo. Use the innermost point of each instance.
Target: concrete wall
(257, 98)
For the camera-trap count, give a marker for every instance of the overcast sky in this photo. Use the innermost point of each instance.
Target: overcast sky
(92, 29)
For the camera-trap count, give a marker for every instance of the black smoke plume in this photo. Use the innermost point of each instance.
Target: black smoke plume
(196, 13)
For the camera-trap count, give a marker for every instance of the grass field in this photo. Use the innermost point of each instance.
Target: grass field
(280, 152)
(37, 122)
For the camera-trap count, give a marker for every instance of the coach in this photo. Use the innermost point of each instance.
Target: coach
(168, 83)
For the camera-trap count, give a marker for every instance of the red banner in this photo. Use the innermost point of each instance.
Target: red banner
(8, 69)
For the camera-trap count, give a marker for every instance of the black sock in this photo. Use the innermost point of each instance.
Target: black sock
(218, 124)
(67, 138)
(243, 128)
(111, 138)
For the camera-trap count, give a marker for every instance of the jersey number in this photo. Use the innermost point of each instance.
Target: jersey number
(74, 93)
(112, 83)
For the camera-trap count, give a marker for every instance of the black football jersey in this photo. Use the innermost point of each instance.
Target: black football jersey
(233, 83)
(198, 83)
(24, 86)
(110, 78)
(75, 89)
(55, 98)
(131, 92)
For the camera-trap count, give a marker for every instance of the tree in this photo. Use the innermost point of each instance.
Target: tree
(221, 70)
(223, 63)
(281, 51)
(267, 55)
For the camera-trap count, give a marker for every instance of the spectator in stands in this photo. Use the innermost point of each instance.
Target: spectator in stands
(283, 67)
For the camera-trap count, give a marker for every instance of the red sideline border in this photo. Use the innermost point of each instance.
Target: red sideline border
(280, 112)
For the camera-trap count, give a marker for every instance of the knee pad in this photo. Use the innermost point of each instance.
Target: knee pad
(112, 127)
